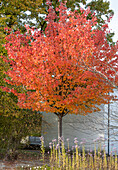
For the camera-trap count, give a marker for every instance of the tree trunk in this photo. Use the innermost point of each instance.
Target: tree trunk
(59, 127)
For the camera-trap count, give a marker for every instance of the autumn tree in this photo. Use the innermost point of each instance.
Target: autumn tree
(13, 124)
(14, 15)
(67, 70)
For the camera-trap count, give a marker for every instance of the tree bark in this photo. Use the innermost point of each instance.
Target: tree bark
(59, 135)
(59, 127)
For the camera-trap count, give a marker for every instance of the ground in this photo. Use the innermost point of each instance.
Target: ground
(26, 158)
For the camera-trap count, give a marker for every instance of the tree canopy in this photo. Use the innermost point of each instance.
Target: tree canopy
(68, 69)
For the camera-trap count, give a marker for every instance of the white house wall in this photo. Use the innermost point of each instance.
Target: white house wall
(89, 127)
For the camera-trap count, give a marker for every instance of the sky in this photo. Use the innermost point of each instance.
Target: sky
(114, 22)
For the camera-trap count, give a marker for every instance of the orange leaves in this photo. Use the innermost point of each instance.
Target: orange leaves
(70, 67)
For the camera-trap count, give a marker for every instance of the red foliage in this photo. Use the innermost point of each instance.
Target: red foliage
(70, 68)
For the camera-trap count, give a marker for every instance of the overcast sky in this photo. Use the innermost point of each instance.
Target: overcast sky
(114, 22)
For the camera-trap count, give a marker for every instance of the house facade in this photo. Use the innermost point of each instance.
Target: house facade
(92, 127)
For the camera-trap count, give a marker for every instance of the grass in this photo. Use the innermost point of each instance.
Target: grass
(76, 158)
